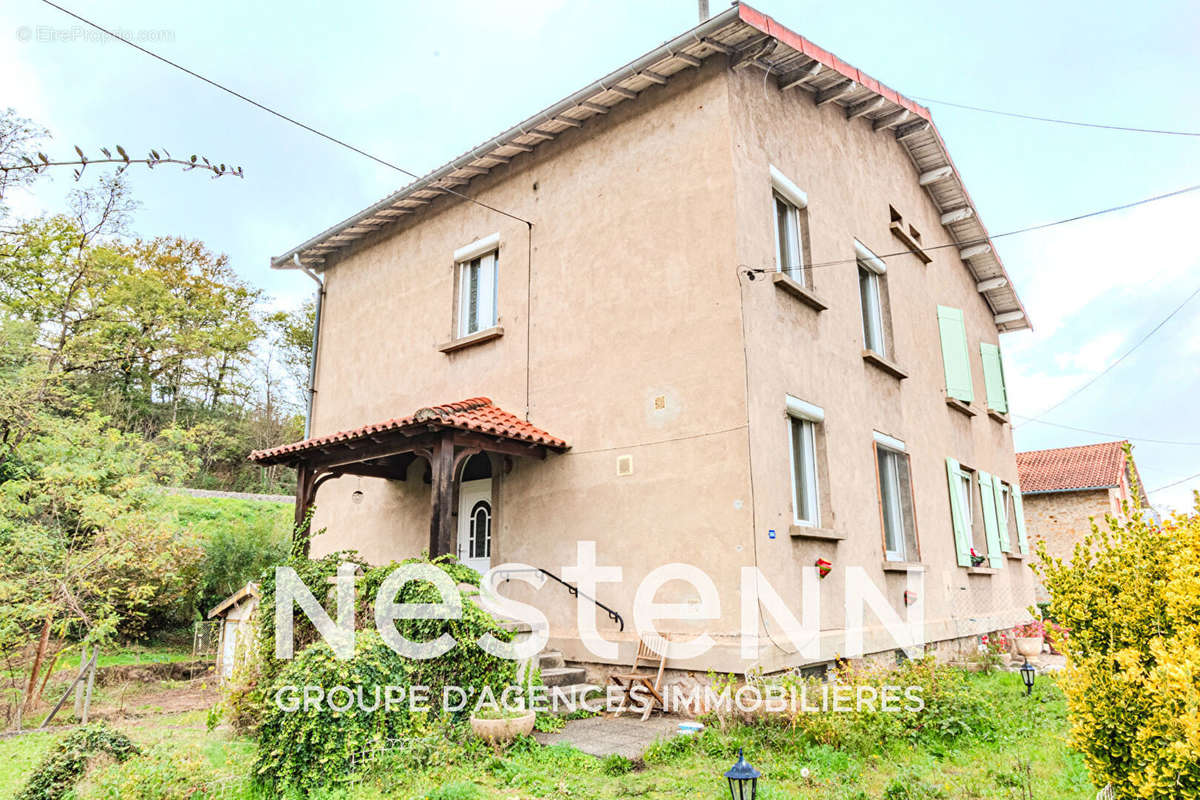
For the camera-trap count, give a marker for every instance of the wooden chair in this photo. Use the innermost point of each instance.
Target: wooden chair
(644, 677)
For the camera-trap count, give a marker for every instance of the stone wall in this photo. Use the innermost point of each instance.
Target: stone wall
(1061, 519)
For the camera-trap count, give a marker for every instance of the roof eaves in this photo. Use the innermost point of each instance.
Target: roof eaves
(724, 34)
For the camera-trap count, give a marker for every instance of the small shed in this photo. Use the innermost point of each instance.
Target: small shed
(236, 629)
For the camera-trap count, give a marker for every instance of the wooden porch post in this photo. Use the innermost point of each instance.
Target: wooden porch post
(441, 494)
(304, 502)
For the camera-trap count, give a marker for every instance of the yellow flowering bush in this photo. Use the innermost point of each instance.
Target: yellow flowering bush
(1130, 598)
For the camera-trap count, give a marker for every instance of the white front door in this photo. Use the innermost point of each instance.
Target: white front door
(475, 524)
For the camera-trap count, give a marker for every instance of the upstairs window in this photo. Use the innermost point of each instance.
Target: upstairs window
(477, 285)
(790, 206)
(871, 291)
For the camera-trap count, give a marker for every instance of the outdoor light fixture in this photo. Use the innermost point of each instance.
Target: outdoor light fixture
(743, 779)
(1027, 675)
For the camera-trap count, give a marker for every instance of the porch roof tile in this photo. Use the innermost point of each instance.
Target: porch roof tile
(477, 414)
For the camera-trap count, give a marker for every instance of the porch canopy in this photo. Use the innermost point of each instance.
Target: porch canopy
(444, 435)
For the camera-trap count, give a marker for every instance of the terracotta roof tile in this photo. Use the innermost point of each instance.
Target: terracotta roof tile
(477, 414)
(1092, 466)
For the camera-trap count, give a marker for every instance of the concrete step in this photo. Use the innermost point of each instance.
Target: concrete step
(551, 659)
(563, 700)
(563, 676)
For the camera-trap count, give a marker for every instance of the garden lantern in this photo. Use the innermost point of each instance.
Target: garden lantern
(1027, 675)
(743, 779)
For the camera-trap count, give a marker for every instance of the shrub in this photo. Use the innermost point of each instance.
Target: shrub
(311, 747)
(162, 774)
(952, 711)
(1130, 598)
(55, 777)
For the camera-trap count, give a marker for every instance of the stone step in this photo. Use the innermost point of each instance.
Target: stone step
(563, 676)
(551, 659)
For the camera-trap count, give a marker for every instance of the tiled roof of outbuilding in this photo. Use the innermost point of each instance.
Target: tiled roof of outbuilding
(1091, 466)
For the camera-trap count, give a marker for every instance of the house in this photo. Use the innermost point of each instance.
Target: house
(1066, 488)
(236, 630)
(729, 305)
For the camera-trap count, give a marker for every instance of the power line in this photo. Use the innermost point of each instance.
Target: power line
(1175, 483)
(970, 243)
(1057, 121)
(1104, 433)
(278, 114)
(1123, 356)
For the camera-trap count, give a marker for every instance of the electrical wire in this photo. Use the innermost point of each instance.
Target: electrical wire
(278, 114)
(1111, 435)
(1056, 121)
(1175, 483)
(1111, 366)
(970, 243)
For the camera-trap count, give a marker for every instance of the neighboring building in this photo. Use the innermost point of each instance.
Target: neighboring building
(1066, 488)
(755, 322)
(235, 616)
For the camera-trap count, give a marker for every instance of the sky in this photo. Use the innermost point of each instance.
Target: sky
(419, 83)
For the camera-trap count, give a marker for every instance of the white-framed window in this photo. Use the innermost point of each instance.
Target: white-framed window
(896, 499)
(871, 270)
(803, 419)
(789, 204)
(478, 265)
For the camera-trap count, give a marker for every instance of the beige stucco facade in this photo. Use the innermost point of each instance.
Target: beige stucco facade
(631, 330)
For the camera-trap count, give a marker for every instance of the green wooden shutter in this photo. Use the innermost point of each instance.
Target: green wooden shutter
(955, 356)
(962, 537)
(991, 527)
(1001, 513)
(1018, 509)
(993, 377)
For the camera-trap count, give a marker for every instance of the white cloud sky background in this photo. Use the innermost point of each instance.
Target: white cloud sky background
(419, 83)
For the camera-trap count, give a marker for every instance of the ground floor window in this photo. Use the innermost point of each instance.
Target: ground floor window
(896, 499)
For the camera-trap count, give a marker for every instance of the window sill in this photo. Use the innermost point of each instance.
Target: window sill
(996, 415)
(479, 337)
(879, 362)
(982, 570)
(788, 284)
(808, 532)
(1016, 556)
(960, 406)
(903, 566)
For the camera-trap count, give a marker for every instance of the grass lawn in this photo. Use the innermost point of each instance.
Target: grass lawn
(184, 756)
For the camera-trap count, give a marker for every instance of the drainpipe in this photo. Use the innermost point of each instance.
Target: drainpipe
(316, 338)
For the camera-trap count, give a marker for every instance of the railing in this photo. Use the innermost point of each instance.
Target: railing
(573, 590)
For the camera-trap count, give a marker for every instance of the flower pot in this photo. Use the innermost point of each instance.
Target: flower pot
(1029, 646)
(505, 729)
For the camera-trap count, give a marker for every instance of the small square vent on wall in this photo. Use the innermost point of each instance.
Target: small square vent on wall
(624, 465)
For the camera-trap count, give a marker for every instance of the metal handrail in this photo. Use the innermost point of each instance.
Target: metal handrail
(573, 590)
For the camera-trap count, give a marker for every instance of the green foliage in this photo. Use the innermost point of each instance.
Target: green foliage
(615, 764)
(909, 785)
(82, 531)
(310, 747)
(458, 790)
(1130, 598)
(240, 538)
(55, 777)
(951, 711)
